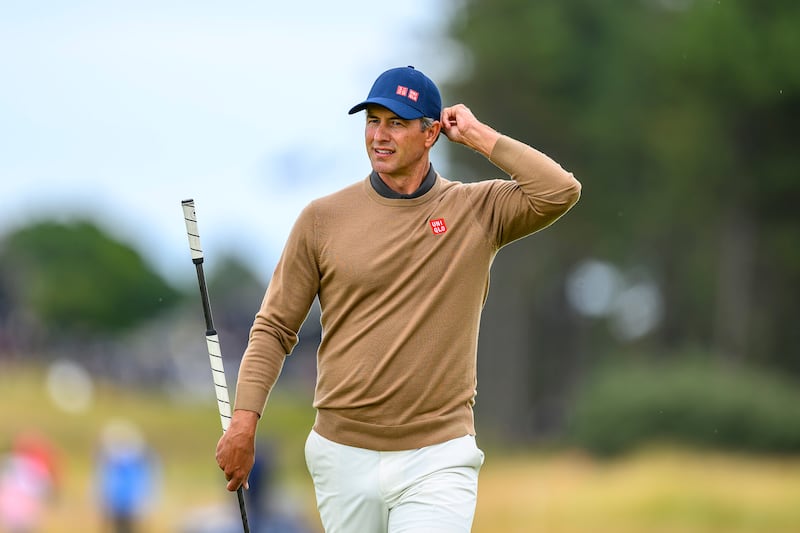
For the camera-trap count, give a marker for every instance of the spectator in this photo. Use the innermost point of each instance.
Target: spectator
(127, 476)
(28, 480)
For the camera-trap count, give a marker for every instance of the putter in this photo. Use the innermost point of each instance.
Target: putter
(212, 339)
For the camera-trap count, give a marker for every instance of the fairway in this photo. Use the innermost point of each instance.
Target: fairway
(656, 491)
(659, 490)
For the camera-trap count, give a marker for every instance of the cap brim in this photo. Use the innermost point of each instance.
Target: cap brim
(398, 108)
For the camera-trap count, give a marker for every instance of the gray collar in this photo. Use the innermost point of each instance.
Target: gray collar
(385, 191)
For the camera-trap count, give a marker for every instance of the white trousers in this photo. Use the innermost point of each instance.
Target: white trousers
(431, 489)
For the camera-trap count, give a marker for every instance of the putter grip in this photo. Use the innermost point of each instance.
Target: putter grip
(192, 232)
(218, 373)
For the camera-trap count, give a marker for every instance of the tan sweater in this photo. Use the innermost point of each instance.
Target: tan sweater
(401, 285)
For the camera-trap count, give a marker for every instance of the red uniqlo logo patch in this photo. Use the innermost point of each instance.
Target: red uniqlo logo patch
(438, 226)
(402, 91)
(413, 95)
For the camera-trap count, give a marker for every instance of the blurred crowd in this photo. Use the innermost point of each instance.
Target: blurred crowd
(126, 488)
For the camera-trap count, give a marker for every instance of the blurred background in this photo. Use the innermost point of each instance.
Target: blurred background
(638, 362)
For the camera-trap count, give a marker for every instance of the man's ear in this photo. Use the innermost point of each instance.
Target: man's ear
(432, 133)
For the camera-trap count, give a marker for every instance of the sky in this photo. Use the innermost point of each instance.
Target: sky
(117, 111)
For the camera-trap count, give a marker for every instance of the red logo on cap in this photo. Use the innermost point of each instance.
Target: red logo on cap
(411, 94)
(438, 226)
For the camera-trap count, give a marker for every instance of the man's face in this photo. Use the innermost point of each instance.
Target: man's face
(397, 147)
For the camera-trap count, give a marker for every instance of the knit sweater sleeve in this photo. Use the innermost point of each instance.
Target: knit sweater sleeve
(539, 192)
(288, 299)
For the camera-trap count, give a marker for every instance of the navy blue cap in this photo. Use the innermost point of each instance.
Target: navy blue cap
(405, 91)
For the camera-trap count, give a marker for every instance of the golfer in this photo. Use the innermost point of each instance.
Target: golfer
(400, 263)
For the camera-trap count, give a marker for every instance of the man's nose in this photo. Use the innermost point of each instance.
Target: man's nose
(380, 133)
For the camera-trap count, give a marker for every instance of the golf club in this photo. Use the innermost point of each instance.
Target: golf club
(212, 339)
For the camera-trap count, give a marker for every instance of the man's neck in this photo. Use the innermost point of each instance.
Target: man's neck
(407, 183)
(382, 188)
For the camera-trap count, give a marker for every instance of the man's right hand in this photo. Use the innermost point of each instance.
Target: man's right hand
(236, 449)
(461, 126)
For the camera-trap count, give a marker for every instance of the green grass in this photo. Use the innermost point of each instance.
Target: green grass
(654, 491)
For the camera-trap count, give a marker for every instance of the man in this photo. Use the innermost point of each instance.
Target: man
(400, 263)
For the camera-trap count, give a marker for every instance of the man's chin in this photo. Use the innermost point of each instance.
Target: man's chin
(381, 167)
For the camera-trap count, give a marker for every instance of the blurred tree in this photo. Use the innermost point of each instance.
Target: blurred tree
(678, 118)
(235, 293)
(76, 280)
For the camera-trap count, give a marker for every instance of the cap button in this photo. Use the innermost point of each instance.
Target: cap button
(411, 66)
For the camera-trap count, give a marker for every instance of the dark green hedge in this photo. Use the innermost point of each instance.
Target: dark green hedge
(622, 407)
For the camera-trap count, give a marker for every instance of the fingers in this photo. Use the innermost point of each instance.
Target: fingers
(236, 477)
(456, 121)
(448, 119)
(454, 114)
(460, 125)
(235, 458)
(234, 482)
(449, 122)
